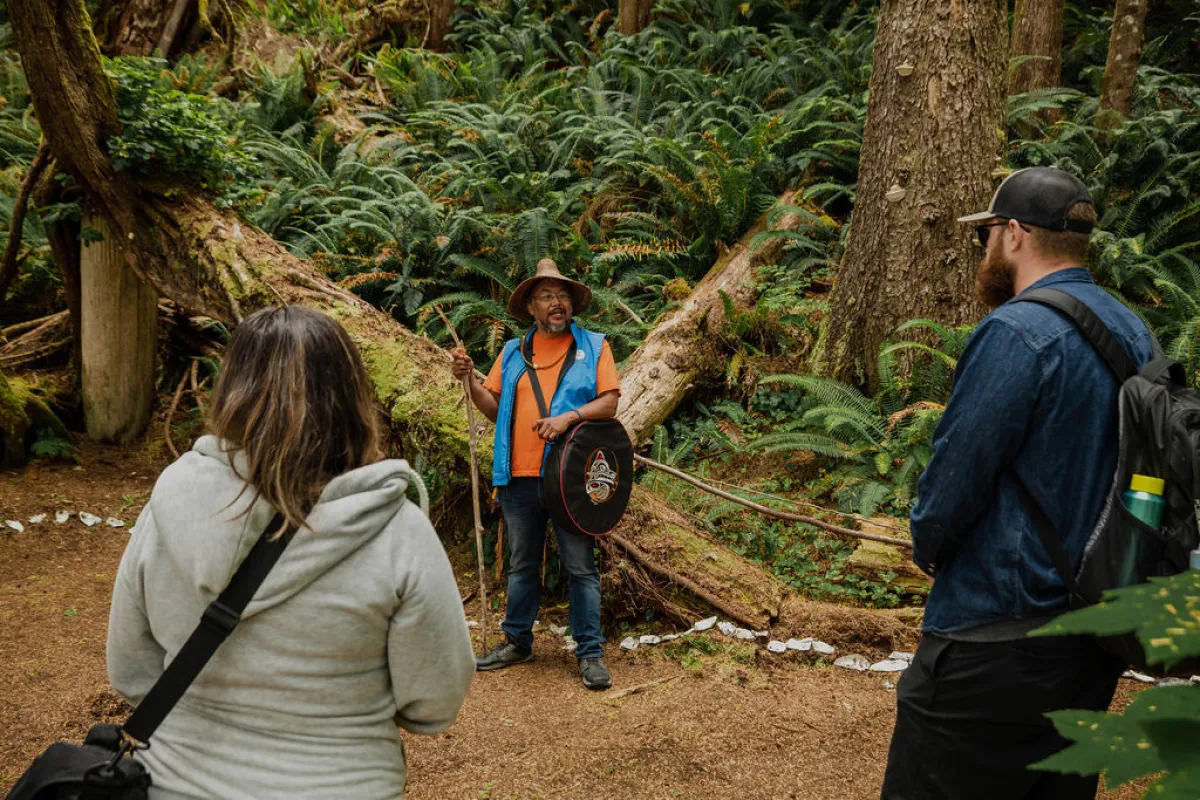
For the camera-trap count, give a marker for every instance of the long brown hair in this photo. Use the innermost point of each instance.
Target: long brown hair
(295, 398)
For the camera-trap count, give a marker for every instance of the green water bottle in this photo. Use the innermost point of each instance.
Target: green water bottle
(1144, 499)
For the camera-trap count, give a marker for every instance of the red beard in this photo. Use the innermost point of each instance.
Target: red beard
(996, 279)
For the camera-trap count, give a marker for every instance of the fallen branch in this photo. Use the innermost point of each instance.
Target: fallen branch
(643, 559)
(785, 515)
(641, 687)
(31, 324)
(171, 416)
(27, 357)
(42, 338)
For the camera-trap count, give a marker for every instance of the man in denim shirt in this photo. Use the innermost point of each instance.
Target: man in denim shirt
(1033, 402)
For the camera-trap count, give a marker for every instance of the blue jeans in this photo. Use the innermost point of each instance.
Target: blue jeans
(525, 518)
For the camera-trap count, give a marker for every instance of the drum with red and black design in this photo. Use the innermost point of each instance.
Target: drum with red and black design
(589, 476)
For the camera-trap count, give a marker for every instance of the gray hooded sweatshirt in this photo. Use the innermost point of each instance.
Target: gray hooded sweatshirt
(358, 629)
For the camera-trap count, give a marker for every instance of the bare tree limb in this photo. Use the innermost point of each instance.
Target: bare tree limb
(8, 270)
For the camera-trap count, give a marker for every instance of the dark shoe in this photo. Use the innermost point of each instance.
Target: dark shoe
(594, 673)
(501, 656)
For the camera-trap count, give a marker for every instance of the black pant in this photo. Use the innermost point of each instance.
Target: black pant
(970, 717)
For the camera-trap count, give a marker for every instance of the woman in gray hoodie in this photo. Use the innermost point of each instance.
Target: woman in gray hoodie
(357, 629)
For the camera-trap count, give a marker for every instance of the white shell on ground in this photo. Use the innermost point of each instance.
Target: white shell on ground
(777, 647)
(705, 624)
(803, 645)
(16, 526)
(823, 649)
(648, 639)
(889, 665)
(629, 643)
(37, 518)
(1137, 676)
(726, 628)
(113, 522)
(61, 516)
(854, 662)
(88, 519)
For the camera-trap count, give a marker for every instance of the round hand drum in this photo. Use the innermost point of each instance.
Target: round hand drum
(589, 476)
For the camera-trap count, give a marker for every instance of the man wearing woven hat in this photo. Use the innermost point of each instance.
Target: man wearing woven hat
(582, 386)
(1023, 458)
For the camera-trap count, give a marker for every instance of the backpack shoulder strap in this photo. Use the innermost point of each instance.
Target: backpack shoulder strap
(1049, 538)
(217, 622)
(1090, 325)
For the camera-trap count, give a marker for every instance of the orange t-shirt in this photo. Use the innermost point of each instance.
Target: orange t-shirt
(528, 448)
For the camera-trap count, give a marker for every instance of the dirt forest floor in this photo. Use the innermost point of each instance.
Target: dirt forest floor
(758, 728)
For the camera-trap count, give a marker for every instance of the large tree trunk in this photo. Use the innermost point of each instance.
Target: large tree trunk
(1124, 53)
(633, 16)
(684, 347)
(1038, 32)
(119, 324)
(440, 12)
(934, 132)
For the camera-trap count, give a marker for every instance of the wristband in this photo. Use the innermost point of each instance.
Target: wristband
(575, 411)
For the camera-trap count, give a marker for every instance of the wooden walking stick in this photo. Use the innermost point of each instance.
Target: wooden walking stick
(483, 601)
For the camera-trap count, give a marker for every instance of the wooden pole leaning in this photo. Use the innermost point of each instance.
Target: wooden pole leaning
(483, 600)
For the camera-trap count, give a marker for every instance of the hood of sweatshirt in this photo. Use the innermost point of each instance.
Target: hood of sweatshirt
(208, 519)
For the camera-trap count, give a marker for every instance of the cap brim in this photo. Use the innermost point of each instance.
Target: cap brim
(979, 217)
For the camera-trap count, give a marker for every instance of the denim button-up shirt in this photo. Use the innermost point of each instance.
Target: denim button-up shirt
(1031, 397)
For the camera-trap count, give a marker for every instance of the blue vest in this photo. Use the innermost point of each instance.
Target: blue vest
(576, 388)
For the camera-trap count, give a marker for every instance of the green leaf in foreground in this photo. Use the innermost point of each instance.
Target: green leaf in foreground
(1128, 746)
(1165, 613)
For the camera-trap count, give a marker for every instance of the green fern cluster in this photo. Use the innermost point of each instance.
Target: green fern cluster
(878, 445)
(632, 160)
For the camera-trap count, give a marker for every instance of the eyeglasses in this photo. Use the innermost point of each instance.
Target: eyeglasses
(983, 232)
(546, 297)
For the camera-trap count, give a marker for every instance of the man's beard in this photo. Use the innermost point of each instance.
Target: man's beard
(558, 327)
(996, 279)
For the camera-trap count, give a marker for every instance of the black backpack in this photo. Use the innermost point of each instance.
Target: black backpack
(1159, 435)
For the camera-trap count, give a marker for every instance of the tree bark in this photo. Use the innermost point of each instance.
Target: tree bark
(440, 12)
(142, 27)
(934, 134)
(1037, 31)
(119, 324)
(684, 346)
(63, 237)
(633, 16)
(1124, 53)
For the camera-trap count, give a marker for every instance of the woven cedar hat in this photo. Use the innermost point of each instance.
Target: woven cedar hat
(581, 295)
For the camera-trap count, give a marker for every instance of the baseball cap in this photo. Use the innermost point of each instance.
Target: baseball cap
(1039, 196)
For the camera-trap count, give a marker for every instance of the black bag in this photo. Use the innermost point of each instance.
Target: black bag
(102, 768)
(588, 471)
(1159, 435)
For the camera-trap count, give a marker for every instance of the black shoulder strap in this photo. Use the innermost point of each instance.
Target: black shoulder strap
(1048, 535)
(217, 622)
(1090, 325)
(527, 352)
